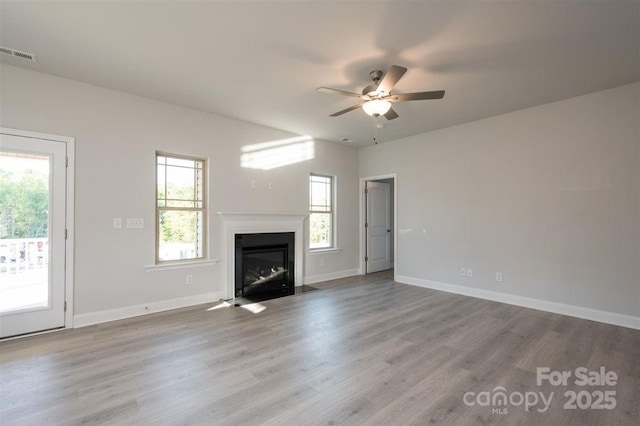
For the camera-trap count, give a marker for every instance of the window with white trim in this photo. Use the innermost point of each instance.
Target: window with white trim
(181, 211)
(321, 209)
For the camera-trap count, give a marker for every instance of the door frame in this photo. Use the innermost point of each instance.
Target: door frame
(362, 215)
(69, 207)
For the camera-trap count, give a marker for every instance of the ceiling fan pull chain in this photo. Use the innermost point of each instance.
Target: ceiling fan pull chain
(375, 131)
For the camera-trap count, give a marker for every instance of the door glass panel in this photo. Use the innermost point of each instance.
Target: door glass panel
(24, 231)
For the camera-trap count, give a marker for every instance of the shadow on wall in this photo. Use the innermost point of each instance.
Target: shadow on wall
(278, 153)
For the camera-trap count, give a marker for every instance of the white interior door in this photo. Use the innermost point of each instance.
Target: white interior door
(378, 227)
(32, 234)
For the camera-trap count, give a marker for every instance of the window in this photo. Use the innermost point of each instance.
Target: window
(180, 208)
(321, 228)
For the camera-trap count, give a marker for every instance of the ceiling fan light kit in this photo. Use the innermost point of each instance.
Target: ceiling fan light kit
(376, 107)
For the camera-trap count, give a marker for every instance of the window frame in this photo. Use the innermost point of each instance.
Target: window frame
(204, 209)
(332, 212)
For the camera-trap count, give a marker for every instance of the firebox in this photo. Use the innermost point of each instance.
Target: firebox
(264, 265)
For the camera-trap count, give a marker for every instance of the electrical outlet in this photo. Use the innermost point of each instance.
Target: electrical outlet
(189, 279)
(117, 223)
(499, 277)
(469, 272)
(463, 271)
(254, 183)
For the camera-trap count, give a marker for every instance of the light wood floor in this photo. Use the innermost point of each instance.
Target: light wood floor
(363, 350)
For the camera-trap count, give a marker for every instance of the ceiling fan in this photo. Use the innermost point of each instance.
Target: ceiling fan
(377, 97)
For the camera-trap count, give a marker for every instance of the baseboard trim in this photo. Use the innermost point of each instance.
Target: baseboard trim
(98, 317)
(528, 302)
(311, 279)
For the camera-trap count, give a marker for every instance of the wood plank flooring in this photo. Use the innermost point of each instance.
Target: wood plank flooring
(362, 350)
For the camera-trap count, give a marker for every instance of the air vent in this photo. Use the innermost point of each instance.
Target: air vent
(18, 54)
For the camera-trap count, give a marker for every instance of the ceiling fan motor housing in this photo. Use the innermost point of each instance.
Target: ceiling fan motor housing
(370, 90)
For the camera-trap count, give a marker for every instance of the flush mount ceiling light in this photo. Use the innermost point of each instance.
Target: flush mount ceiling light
(376, 107)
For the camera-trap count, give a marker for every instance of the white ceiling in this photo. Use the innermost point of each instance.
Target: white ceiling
(262, 61)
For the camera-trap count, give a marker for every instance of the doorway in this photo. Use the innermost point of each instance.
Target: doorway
(378, 228)
(34, 230)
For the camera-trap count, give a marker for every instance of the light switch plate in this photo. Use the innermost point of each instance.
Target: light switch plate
(117, 223)
(135, 223)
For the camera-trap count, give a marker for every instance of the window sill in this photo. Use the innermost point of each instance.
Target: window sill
(181, 265)
(324, 250)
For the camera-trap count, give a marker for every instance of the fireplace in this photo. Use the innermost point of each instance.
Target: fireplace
(237, 223)
(264, 265)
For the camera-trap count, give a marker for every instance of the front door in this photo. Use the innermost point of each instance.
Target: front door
(32, 234)
(378, 226)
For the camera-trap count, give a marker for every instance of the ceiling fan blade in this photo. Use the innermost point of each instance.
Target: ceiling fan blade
(390, 79)
(391, 114)
(335, 114)
(338, 92)
(418, 96)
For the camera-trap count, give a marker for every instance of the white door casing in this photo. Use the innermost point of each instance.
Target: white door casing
(378, 226)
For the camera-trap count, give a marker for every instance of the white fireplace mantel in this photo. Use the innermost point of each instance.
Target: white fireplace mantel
(261, 217)
(253, 223)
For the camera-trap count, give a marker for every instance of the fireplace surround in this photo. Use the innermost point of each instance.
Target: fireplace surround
(234, 223)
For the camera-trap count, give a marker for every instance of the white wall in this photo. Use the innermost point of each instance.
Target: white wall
(116, 138)
(549, 196)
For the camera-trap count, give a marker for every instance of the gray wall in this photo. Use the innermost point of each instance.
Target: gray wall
(116, 138)
(549, 196)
